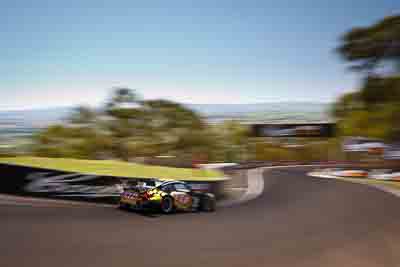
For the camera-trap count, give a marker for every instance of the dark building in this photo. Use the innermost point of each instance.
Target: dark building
(293, 130)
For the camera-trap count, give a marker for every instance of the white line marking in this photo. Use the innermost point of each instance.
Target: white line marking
(255, 187)
(381, 187)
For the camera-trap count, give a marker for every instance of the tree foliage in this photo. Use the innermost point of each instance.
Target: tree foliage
(368, 47)
(373, 110)
(82, 115)
(125, 128)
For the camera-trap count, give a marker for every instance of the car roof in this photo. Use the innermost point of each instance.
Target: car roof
(171, 182)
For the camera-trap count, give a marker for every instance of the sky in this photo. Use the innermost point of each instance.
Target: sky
(67, 53)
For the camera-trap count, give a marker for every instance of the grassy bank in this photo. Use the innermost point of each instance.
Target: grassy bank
(115, 168)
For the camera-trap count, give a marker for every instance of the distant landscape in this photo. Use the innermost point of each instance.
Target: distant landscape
(22, 123)
(265, 112)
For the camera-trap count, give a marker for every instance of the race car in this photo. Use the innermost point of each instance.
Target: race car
(169, 196)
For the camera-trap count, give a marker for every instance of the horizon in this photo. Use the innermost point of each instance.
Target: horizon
(186, 104)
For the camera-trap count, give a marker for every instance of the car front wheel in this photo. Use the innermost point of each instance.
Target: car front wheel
(167, 205)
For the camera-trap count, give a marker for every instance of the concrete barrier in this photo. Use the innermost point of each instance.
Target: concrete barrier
(37, 182)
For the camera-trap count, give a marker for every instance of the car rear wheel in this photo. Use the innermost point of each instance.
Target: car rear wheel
(208, 203)
(167, 205)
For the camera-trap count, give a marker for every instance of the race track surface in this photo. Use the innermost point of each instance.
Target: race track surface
(297, 221)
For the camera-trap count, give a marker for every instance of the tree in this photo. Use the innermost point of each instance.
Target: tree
(173, 126)
(121, 97)
(123, 104)
(370, 47)
(377, 90)
(346, 104)
(166, 115)
(372, 111)
(126, 127)
(82, 115)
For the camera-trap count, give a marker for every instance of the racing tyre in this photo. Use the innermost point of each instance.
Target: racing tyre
(167, 205)
(208, 203)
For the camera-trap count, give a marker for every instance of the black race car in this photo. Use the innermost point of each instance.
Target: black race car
(168, 197)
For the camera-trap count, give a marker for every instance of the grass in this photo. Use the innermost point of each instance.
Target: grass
(115, 168)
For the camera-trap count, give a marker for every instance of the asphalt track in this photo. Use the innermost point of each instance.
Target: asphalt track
(297, 221)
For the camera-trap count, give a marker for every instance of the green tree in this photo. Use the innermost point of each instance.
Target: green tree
(175, 128)
(346, 104)
(372, 111)
(126, 127)
(82, 115)
(367, 48)
(377, 90)
(124, 104)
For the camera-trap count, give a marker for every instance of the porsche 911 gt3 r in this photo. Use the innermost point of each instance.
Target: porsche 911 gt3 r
(169, 197)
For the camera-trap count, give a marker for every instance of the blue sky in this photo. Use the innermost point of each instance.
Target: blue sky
(64, 53)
